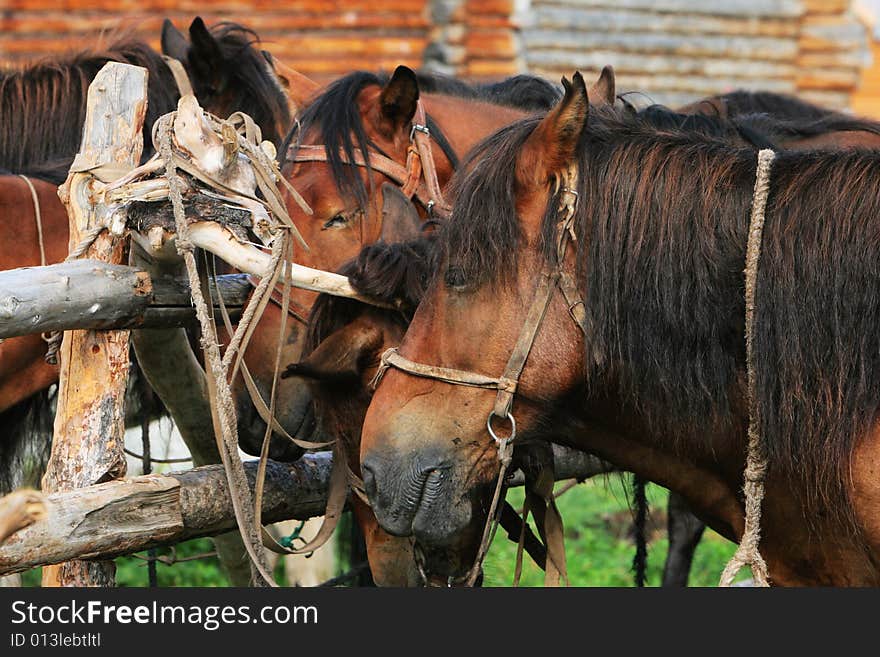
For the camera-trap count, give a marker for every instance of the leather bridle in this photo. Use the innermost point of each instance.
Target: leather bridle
(419, 165)
(552, 276)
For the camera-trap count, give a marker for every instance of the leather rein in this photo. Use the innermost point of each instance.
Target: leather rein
(552, 277)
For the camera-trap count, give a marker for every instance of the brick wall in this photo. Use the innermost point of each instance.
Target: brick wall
(675, 50)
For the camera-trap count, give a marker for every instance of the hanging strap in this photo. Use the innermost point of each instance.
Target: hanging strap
(181, 79)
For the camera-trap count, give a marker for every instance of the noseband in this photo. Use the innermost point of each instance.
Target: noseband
(506, 384)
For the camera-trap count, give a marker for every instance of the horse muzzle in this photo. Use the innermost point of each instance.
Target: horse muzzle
(418, 494)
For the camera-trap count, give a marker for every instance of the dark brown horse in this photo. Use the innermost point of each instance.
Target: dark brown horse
(346, 338)
(227, 71)
(792, 122)
(655, 382)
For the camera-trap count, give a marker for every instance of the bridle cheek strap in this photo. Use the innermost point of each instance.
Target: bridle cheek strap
(419, 164)
(506, 384)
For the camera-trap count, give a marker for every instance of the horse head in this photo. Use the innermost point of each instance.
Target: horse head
(428, 461)
(229, 73)
(353, 158)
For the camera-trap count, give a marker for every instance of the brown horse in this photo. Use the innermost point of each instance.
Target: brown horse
(226, 70)
(655, 380)
(366, 116)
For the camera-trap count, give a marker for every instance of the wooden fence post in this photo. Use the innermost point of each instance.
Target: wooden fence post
(89, 434)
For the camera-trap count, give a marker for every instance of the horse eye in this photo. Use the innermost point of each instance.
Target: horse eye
(338, 221)
(455, 278)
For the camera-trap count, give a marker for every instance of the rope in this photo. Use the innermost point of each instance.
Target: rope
(51, 338)
(88, 238)
(223, 412)
(147, 465)
(747, 553)
(38, 217)
(141, 457)
(505, 455)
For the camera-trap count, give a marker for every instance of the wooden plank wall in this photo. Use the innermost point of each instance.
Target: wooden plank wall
(676, 50)
(673, 50)
(321, 38)
(866, 100)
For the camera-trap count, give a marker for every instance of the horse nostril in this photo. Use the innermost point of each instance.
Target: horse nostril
(369, 479)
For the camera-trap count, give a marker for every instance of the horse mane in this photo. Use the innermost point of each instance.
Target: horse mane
(777, 105)
(335, 115)
(258, 92)
(743, 131)
(527, 92)
(43, 105)
(665, 216)
(395, 273)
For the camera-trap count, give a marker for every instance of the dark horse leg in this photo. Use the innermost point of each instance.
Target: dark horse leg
(685, 531)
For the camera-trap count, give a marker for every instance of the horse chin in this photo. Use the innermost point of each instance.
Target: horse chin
(297, 416)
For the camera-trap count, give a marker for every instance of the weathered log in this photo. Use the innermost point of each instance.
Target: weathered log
(89, 433)
(124, 516)
(175, 374)
(89, 294)
(19, 510)
(221, 242)
(121, 517)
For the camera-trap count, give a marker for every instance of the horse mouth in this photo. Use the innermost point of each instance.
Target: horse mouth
(441, 568)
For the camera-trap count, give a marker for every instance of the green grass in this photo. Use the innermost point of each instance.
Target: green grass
(598, 545)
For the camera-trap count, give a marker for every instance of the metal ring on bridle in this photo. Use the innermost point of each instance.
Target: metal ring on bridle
(420, 128)
(492, 431)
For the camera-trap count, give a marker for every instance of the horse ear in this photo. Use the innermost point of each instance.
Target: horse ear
(205, 54)
(300, 89)
(601, 92)
(550, 148)
(174, 44)
(342, 357)
(399, 99)
(400, 219)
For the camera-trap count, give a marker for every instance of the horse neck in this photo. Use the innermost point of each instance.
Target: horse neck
(483, 119)
(837, 139)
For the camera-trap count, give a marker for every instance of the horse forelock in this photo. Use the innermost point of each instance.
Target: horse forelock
(334, 119)
(397, 274)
